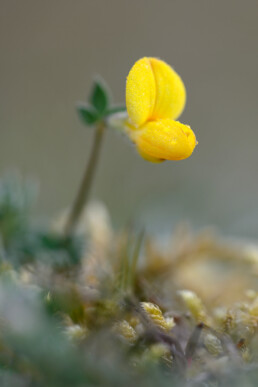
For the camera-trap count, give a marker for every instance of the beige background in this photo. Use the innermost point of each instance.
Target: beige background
(51, 49)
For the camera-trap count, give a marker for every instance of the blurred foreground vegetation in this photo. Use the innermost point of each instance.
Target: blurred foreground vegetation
(106, 308)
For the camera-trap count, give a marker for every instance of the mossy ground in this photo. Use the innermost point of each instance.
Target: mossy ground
(112, 308)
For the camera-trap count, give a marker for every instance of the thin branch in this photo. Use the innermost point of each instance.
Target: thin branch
(84, 190)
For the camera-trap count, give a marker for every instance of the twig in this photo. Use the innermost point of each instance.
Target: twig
(84, 190)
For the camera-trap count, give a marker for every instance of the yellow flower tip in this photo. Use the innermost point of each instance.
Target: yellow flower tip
(155, 97)
(194, 304)
(164, 139)
(156, 316)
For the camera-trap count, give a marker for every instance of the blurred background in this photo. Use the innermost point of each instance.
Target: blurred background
(50, 51)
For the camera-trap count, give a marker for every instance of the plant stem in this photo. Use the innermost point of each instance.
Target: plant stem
(84, 190)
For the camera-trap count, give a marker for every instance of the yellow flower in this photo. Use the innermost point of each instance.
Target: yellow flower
(155, 97)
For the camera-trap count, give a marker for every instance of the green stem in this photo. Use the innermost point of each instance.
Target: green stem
(84, 190)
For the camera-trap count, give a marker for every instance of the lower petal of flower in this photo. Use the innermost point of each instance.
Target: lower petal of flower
(164, 139)
(150, 158)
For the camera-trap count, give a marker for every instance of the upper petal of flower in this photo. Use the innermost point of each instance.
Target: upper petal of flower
(153, 90)
(170, 91)
(140, 92)
(164, 139)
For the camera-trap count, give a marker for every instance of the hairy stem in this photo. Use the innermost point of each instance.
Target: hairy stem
(84, 190)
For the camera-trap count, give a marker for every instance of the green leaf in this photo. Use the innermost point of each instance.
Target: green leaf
(115, 109)
(87, 114)
(99, 97)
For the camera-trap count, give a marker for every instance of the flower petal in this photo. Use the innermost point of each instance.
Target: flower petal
(147, 157)
(170, 91)
(164, 139)
(140, 92)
